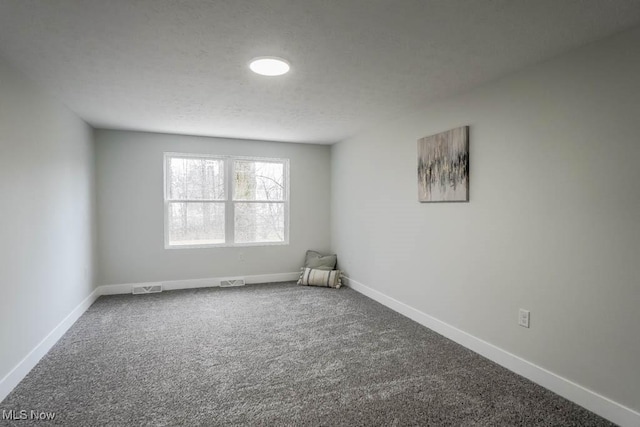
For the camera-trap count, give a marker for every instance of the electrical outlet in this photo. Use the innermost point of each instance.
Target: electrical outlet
(241, 256)
(523, 318)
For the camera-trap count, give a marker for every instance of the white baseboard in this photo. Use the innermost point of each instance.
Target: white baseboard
(172, 285)
(273, 278)
(21, 370)
(17, 374)
(576, 393)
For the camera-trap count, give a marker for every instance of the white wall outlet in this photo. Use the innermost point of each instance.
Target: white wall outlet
(523, 318)
(241, 257)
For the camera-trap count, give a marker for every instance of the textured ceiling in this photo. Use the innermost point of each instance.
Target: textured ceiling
(180, 66)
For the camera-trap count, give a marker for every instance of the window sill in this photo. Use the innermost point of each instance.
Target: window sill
(225, 245)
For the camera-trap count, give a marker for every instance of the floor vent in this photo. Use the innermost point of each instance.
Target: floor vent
(150, 289)
(236, 281)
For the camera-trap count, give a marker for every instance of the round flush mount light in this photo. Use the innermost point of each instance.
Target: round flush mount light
(269, 66)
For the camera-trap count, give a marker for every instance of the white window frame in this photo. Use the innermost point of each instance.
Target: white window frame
(229, 201)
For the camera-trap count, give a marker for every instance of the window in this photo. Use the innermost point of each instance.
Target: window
(225, 201)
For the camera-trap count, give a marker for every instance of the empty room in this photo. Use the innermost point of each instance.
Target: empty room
(320, 212)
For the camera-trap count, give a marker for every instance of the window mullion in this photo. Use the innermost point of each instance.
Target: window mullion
(229, 211)
(261, 201)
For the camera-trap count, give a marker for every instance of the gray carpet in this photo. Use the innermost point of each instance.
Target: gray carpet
(276, 354)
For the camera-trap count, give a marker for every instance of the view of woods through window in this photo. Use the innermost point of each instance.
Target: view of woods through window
(225, 201)
(260, 187)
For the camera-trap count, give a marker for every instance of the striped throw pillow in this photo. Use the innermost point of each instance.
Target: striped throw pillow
(314, 277)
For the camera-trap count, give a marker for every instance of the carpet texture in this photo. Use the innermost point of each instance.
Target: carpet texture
(273, 354)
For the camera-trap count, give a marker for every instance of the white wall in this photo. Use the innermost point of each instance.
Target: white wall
(46, 219)
(131, 216)
(552, 224)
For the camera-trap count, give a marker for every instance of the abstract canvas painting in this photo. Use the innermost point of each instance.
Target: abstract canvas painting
(443, 166)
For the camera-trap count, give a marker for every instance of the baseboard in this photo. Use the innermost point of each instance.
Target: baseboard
(576, 393)
(172, 285)
(17, 374)
(273, 278)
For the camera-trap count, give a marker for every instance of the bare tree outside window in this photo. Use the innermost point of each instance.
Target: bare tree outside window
(260, 217)
(197, 194)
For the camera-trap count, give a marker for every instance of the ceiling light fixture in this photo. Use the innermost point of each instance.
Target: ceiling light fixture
(269, 66)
